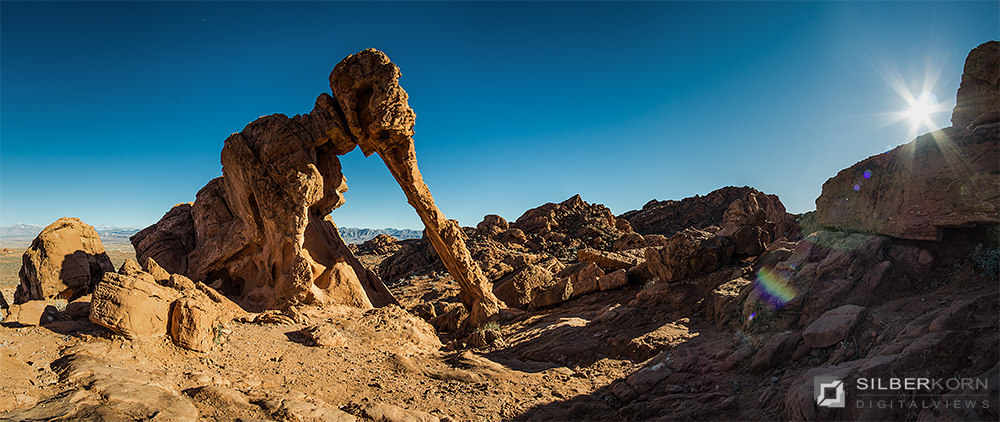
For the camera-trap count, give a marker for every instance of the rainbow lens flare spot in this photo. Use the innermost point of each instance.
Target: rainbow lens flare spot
(773, 288)
(857, 187)
(868, 174)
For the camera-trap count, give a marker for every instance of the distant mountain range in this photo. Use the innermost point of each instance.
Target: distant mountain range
(22, 230)
(350, 234)
(354, 235)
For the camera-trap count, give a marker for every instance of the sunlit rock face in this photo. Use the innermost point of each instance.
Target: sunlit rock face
(264, 229)
(946, 178)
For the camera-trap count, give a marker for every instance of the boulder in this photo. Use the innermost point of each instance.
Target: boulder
(518, 288)
(583, 277)
(943, 179)
(132, 306)
(777, 348)
(169, 241)
(323, 335)
(65, 261)
(608, 261)
(33, 312)
(613, 280)
(193, 322)
(724, 301)
(688, 253)
(557, 293)
(833, 326)
(747, 239)
(493, 225)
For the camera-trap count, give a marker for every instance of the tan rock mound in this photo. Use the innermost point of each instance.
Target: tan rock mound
(382, 244)
(944, 179)
(65, 261)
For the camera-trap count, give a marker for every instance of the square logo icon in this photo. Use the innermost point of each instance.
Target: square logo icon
(829, 392)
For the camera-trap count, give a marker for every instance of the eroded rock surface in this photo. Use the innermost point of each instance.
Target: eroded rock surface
(263, 228)
(719, 208)
(64, 261)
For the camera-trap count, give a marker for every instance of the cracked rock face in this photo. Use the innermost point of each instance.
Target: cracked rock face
(264, 229)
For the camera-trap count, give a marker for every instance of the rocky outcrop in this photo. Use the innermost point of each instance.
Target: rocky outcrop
(833, 326)
(169, 241)
(139, 305)
(263, 228)
(689, 253)
(382, 244)
(65, 261)
(719, 208)
(944, 179)
(103, 390)
(979, 93)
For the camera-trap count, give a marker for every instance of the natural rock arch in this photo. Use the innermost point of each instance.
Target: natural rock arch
(264, 226)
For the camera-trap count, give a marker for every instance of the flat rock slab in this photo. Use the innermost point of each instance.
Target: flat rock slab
(833, 326)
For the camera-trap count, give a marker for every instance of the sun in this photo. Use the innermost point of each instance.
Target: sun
(921, 109)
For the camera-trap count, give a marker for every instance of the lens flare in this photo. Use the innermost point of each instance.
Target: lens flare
(773, 287)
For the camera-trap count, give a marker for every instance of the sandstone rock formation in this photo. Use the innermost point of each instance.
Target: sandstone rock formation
(65, 261)
(944, 179)
(140, 305)
(689, 253)
(719, 208)
(382, 244)
(263, 227)
(525, 259)
(102, 390)
(979, 93)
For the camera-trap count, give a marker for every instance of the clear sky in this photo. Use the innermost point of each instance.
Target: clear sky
(114, 112)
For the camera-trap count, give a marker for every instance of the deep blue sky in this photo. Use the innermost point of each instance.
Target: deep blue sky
(114, 112)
